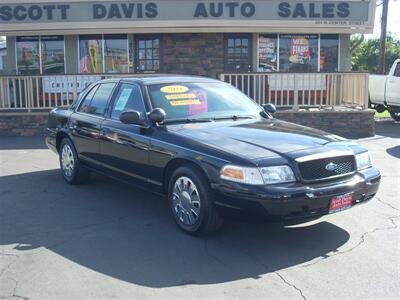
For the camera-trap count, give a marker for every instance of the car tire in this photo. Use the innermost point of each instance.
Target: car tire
(191, 202)
(71, 169)
(395, 115)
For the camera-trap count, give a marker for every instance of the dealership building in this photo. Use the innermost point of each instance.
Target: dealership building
(180, 36)
(295, 54)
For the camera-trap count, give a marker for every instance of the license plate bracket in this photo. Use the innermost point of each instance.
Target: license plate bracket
(341, 202)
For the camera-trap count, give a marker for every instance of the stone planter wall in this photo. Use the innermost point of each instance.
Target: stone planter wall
(348, 123)
(22, 124)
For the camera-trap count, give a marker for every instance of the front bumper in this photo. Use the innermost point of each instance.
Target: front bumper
(293, 202)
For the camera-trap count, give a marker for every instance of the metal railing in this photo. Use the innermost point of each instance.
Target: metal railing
(286, 90)
(303, 90)
(30, 93)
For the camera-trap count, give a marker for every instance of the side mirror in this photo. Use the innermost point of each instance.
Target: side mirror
(157, 115)
(269, 108)
(132, 117)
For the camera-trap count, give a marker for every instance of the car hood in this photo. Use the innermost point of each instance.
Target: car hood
(260, 138)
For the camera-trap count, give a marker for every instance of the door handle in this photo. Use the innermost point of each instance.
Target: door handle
(73, 124)
(104, 132)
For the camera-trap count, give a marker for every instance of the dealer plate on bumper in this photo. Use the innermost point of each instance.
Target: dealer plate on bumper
(339, 203)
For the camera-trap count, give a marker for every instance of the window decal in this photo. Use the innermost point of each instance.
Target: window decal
(174, 89)
(123, 99)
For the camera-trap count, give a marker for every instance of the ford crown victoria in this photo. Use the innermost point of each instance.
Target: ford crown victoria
(210, 150)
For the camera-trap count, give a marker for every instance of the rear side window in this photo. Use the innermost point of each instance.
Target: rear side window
(99, 100)
(397, 70)
(128, 97)
(85, 105)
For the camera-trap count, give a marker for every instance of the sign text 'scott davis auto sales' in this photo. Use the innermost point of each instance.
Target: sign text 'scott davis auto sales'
(350, 12)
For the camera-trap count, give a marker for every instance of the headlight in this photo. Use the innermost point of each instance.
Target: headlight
(363, 161)
(278, 174)
(242, 175)
(255, 176)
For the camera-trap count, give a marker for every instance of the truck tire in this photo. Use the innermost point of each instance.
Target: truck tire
(380, 108)
(395, 115)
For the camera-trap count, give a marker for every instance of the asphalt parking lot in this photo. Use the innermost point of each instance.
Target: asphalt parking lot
(105, 240)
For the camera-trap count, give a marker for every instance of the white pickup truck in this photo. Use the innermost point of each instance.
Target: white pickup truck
(384, 91)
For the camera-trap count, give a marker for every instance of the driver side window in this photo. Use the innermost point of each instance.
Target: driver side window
(397, 70)
(129, 97)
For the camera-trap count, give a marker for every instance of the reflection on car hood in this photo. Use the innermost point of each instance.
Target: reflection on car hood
(259, 138)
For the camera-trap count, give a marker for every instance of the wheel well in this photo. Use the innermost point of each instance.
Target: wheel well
(175, 164)
(60, 136)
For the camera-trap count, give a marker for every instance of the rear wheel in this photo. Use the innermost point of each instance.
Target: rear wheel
(71, 169)
(395, 115)
(191, 202)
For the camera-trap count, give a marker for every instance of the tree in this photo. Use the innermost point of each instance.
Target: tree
(365, 57)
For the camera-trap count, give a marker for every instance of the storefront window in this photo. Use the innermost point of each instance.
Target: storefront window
(329, 52)
(90, 54)
(148, 54)
(40, 55)
(52, 54)
(268, 53)
(28, 57)
(238, 53)
(116, 54)
(298, 53)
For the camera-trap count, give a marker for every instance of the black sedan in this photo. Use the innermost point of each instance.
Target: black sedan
(210, 149)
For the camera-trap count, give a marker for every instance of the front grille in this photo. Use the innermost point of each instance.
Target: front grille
(314, 170)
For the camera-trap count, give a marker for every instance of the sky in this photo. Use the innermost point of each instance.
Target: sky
(393, 19)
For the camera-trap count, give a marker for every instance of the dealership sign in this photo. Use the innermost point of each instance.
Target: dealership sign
(67, 84)
(178, 13)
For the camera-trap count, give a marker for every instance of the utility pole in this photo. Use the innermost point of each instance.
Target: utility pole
(381, 68)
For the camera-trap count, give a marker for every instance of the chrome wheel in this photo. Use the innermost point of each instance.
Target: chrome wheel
(67, 160)
(186, 201)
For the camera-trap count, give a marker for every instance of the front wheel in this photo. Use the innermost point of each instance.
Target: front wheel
(191, 202)
(395, 115)
(71, 169)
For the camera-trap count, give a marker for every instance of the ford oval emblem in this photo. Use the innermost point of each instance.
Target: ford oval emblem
(331, 166)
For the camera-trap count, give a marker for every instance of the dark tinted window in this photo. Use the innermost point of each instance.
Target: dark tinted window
(99, 101)
(148, 52)
(128, 97)
(238, 53)
(298, 53)
(28, 56)
(329, 52)
(397, 70)
(268, 53)
(85, 105)
(52, 54)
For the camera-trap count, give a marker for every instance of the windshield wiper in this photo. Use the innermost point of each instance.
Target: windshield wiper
(233, 117)
(187, 120)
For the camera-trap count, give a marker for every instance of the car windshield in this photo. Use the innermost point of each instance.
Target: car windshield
(202, 101)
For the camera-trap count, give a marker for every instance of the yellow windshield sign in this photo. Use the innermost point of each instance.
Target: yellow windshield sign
(184, 102)
(180, 96)
(173, 89)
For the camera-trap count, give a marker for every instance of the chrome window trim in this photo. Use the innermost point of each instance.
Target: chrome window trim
(329, 154)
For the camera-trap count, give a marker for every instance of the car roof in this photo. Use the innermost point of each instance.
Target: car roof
(161, 78)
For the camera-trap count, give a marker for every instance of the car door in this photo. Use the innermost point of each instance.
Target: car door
(393, 87)
(125, 147)
(85, 123)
